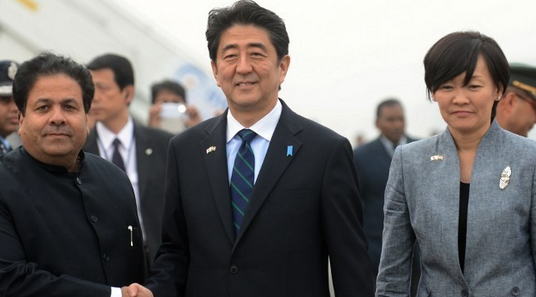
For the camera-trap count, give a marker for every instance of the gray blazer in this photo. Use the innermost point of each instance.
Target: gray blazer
(422, 203)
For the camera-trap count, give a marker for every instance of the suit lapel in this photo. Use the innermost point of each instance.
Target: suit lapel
(446, 195)
(142, 161)
(91, 145)
(275, 163)
(214, 150)
(381, 150)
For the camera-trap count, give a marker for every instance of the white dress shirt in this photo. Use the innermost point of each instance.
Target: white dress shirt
(389, 145)
(264, 128)
(127, 149)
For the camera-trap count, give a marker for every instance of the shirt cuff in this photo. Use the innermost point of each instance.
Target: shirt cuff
(116, 292)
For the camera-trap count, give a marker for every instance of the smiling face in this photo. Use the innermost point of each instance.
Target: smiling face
(467, 109)
(248, 71)
(54, 128)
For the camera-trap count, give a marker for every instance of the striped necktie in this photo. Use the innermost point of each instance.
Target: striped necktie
(242, 178)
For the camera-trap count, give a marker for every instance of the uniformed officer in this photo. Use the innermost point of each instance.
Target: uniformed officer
(8, 109)
(516, 111)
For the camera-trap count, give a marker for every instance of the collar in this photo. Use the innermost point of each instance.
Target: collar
(4, 141)
(54, 169)
(264, 127)
(107, 137)
(388, 143)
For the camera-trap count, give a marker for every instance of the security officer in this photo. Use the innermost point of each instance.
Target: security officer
(8, 109)
(516, 111)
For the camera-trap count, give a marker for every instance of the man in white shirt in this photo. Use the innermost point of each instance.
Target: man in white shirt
(138, 150)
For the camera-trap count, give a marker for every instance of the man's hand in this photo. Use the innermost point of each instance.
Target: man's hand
(136, 290)
(154, 115)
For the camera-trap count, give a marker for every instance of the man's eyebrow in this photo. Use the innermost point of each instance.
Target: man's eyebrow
(258, 45)
(249, 45)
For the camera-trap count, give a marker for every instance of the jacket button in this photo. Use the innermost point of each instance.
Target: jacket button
(106, 258)
(465, 293)
(515, 291)
(78, 181)
(233, 269)
(94, 218)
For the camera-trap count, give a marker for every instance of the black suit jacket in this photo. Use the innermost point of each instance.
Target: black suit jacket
(304, 208)
(372, 162)
(151, 150)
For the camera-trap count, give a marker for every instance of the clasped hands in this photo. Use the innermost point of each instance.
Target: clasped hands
(136, 290)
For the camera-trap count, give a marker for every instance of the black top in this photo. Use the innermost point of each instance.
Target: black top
(462, 222)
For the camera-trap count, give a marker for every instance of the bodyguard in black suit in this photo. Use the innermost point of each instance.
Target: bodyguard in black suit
(142, 150)
(372, 161)
(304, 204)
(68, 223)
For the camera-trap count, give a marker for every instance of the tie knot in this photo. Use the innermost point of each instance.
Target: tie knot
(116, 143)
(246, 135)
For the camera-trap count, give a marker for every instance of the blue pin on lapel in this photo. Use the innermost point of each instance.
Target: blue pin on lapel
(289, 150)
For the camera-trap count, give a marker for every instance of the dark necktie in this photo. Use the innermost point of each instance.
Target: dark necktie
(116, 157)
(242, 178)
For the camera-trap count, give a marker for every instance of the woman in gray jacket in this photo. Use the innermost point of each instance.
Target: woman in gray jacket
(466, 196)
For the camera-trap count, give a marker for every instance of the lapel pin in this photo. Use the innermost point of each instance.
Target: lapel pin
(211, 149)
(149, 151)
(436, 158)
(505, 178)
(289, 150)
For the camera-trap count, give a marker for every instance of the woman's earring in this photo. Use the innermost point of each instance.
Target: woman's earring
(498, 99)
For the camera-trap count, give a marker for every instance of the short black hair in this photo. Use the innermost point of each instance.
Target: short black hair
(120, 66)
(246, 12)
(385, 103)
(168, 85)
(458, 52)
(48, 64)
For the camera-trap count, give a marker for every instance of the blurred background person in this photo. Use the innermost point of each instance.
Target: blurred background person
(372, 161)
(516, 111)
(138, 150)
(169, 110)
(9, 121)
(467, 195)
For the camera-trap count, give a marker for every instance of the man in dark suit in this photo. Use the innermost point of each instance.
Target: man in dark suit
(259, 197)
(68, 223)
(141, 151)
(372, 161)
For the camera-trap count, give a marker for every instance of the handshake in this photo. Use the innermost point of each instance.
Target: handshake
(136, 290)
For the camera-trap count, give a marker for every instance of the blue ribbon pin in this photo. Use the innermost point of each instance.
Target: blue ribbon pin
(289, 150)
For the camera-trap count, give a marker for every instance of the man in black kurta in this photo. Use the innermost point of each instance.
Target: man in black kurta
(66, 234)
(68, 222)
